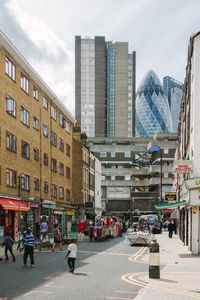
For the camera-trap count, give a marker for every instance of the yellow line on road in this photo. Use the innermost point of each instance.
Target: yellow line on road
(130, 279)
(137, 254)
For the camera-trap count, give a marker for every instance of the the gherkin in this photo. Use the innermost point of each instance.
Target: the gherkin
(152, 109)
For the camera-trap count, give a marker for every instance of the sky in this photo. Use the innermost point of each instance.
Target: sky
(44, 32)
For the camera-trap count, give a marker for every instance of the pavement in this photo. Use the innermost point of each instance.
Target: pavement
(179, 272)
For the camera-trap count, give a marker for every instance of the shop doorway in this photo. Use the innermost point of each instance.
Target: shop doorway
(9, 223)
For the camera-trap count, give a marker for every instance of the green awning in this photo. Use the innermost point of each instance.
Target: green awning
(169, 205)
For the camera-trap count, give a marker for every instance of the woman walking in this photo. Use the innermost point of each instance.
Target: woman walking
(57, 238)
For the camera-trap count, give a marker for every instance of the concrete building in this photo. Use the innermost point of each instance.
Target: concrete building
(104, 87)
(188, 182)
(131, 175)
(86, 173)
(35, 148)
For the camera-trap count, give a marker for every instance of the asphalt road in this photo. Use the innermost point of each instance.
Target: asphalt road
(99, 267)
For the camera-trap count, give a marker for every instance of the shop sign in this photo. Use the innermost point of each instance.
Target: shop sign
(170, 197)
(182, 166)
(57, 212)
(69, 213)
(48, 204)
(194, 209)
(192, 183)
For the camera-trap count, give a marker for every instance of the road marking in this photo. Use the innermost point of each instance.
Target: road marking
(137, 254)
(104, 253)
(48, 277)
(126, 292)
(39, 292)
(130, 279)
(54, 286)
(120, 298)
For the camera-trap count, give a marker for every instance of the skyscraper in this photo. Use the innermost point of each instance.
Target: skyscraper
(104, 87)
(168, 84)
(152, 109)
(176, 98)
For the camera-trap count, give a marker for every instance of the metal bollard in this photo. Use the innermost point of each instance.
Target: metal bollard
(154, 260)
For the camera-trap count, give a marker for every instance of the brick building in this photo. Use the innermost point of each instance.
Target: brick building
(35, 146)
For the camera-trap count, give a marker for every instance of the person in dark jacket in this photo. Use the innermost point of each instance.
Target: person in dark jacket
(8, 243)
(29, 243)
(171, 228)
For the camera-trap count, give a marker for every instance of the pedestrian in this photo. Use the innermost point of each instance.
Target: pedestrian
(151, 227)
(43, 226)
(91, 233)
(71, 255)
(170, 228)
(29, 243)
(121, 229)
(8, 243)
(57, 238)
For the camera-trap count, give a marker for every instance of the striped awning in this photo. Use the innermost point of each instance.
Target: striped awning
(169, 205)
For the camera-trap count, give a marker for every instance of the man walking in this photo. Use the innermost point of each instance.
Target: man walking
(71, 255)
(8, 243)
(171, 228)
(29, 243)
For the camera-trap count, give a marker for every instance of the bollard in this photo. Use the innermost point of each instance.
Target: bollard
(154, 259)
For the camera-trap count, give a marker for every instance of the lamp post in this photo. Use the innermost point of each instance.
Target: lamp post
(155, 149)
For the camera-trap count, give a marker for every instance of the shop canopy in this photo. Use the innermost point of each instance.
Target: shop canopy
(11, 204)
(169, 205)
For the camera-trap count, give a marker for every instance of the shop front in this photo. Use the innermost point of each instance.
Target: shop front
(11, 213)
(46, 213)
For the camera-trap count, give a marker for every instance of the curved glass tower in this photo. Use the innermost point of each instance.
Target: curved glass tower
(152, 108)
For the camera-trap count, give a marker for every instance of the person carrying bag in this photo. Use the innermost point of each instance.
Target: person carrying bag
(57, 238)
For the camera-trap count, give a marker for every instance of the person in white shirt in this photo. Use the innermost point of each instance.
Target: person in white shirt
(71, 255)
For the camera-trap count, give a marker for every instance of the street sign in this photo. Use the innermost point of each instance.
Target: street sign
(170, 197)
(194, 209)
(182, 166)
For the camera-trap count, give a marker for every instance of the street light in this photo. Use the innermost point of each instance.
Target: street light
(155, 149)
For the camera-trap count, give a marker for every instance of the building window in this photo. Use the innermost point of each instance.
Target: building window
(24, 83)
(45, 103)
(36, 184)
(61, 145)
(46, 187)
(25, 182)
(68, 127)
(127, 177)
(11, 106)
(61, 120)
(45, 130)
(36, 153)
(127, 154)
(25, 116)
(46, 161)
(68, 172)
(53, 139)
(54, 190)
(112, 177)
(53, 113)
(54, 165)
(68, 149)
(112, 154)
(61, 168)
(61, 192)
(103, 154)
(10, 69)
(35, 93)
(11, 142)
(25, 150)
(68, 195)
(11, 178)
(35, 123)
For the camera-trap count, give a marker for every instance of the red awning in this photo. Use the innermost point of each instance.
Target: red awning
(11, 204)
(168, 210)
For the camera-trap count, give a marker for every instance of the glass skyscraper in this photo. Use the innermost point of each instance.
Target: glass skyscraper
(152, 108)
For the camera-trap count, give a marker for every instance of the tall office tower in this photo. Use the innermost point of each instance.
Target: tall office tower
(104, 87)
(168, 84)
(152, 109)
(176, 98)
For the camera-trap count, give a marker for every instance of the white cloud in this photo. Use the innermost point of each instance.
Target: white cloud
(52, 60)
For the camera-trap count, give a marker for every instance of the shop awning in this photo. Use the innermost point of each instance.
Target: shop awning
(169, 205)
(11, 204)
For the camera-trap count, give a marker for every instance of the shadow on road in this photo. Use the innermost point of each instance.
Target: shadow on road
(15, 281)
